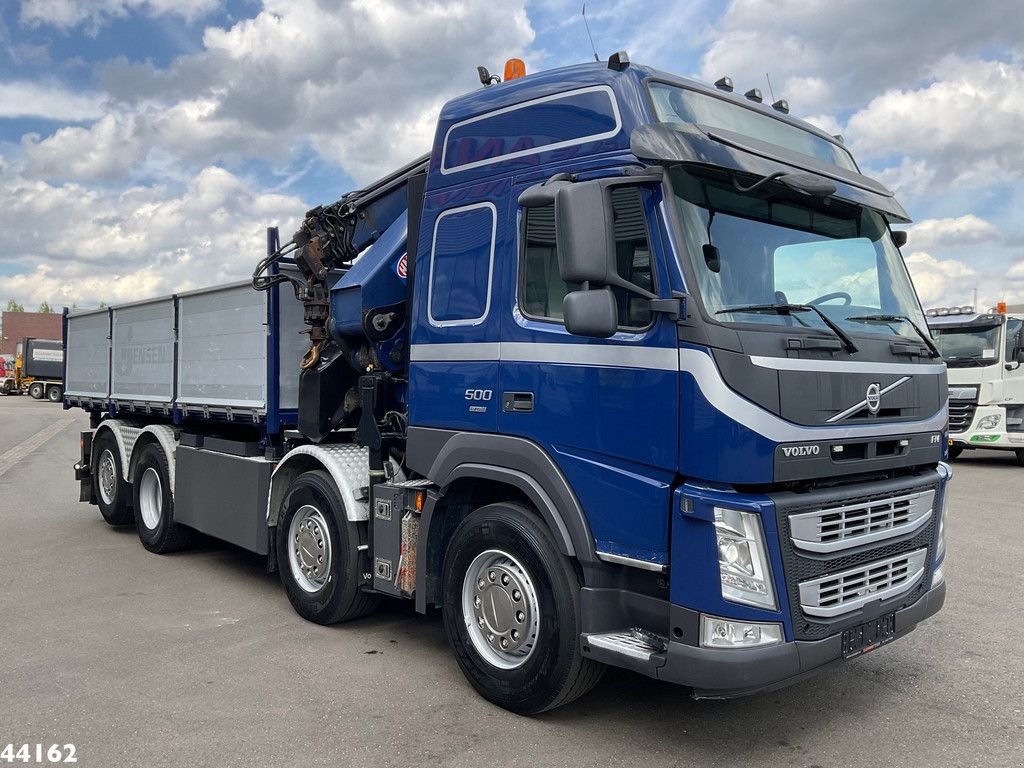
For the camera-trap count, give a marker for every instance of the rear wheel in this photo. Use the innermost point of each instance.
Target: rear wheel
(113, 492)
(55, 393)
(954, 452)
(36, 390)
(512, 612)
(318, 553)
(7, 386)
(153, 500)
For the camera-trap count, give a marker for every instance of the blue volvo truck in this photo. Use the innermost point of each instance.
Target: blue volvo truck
(627, 371)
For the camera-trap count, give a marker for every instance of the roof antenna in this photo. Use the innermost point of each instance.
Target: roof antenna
(770, 91)
(594, 47)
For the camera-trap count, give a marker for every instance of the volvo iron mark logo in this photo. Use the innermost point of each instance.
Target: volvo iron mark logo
(873, 398)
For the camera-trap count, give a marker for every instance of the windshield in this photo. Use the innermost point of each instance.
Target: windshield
(675, 104)
(968, 346)
(772, 249)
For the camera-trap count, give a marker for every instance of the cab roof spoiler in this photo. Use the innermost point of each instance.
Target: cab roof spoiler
(699, 146)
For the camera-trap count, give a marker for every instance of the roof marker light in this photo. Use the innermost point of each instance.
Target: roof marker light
(781, 106)
(514, 68)
(724, 84)
(754, 94)
(1000, 307)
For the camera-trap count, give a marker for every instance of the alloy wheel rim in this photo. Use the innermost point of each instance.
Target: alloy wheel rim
(309, 549)
(500, 609)
(151, 498)
(107, 477)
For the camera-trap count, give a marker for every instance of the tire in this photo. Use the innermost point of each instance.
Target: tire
(1020, 457)
(55, 393)
(504, 554)
(318, 553)
(955, 451)
(36, 390)
(113, 492)
(7, 386)
(153, 500)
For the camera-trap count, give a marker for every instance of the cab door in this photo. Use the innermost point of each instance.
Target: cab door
(453, 368)
(605, 410)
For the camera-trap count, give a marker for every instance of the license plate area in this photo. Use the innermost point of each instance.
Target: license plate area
(869, 635)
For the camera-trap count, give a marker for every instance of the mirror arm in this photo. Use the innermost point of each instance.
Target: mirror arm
(674, 307)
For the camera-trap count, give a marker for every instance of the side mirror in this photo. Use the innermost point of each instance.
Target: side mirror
(591, 313)
(584, 234)
(899, 236)
(1019, 356)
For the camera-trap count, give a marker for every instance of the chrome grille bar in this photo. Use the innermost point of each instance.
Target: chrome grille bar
(961, 414)
(848, 590)
(831, 529)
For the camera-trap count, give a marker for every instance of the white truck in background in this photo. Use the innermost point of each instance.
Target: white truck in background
(984, 355)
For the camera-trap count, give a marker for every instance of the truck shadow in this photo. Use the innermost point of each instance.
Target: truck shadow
(642, 713)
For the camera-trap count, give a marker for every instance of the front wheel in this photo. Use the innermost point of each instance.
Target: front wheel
(954, 452)
(512, 612)
(35, 391)
(1020, 457)
(318, 553)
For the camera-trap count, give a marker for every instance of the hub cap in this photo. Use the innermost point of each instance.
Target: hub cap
(151, 498)
(108, 477)
(309, 551)
(500, 608)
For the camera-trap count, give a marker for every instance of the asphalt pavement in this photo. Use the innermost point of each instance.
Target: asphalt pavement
(197, 659)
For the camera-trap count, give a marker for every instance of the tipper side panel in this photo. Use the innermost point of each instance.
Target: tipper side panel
(142, 367)
(222, 349)
(88, 355)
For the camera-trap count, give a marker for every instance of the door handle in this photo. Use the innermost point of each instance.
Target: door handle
(517, 402)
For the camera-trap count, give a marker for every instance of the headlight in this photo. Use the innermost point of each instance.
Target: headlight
(742, 563)
(990, 422)
(728, 633)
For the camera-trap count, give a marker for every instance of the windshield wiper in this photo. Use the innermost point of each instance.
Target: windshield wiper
(902, 318)
(787, 309)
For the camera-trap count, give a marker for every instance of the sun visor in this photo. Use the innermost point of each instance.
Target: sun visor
(695, 145)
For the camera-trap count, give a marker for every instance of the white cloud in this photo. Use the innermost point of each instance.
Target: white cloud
(66, 14)
(966, 123)
(950, 233)
(83, 245)
(822, 54)
(361, 83)
(107, 150)
(50, 101)
(940, 282)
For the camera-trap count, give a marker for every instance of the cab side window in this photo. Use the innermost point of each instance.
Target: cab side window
(541, 288)
(1013, 326)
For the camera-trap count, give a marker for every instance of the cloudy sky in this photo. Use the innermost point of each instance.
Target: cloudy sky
(146, 144)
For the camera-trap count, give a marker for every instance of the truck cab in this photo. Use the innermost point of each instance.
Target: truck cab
(628, 371)
(984, 353)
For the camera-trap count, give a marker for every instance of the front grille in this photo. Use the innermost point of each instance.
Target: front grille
(961, 415)
(843, 526)
(846, 591)
(801, 566)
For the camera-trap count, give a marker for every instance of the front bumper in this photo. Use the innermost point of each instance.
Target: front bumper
(722, 674)
(997, 439)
